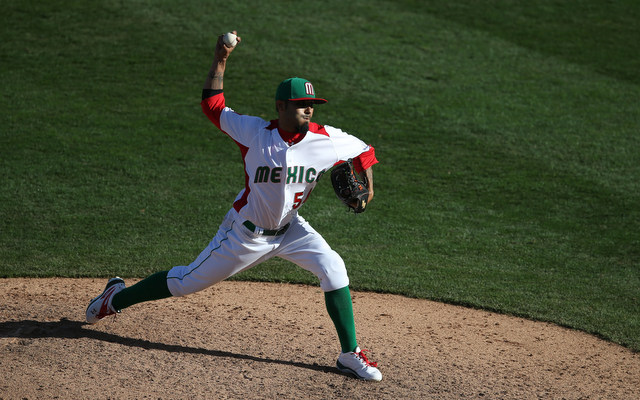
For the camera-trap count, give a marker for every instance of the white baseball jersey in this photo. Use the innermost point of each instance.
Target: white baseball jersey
(280, 173)
(278, 176)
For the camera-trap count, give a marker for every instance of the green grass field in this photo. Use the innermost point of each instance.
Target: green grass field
(507, 134)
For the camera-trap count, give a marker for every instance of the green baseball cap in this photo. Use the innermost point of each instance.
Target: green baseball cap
(297, 89)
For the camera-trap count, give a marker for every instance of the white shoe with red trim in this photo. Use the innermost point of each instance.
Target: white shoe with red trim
(357, 364)
(100, 307)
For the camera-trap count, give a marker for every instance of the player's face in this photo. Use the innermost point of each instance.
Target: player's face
(296, 115)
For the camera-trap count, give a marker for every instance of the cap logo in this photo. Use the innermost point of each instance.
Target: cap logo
(308, 88)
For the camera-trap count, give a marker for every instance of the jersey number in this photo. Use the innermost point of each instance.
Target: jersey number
(297, 199)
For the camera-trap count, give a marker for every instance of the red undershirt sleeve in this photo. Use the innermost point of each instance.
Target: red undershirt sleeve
(365, 160)
(212, 107)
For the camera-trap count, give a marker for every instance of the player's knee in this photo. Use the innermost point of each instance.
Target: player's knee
(182, 281)
(333, 274)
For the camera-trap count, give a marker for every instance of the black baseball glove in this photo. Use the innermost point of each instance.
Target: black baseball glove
(348, 187)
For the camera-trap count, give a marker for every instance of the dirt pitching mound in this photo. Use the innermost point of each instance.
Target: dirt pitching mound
(265, 341)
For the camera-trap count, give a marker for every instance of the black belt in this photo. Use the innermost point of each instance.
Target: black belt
(265, 232)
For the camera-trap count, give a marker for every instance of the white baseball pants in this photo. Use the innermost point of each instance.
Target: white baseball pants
(235, 249)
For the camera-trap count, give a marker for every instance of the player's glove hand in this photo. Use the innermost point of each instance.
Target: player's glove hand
(348, 187)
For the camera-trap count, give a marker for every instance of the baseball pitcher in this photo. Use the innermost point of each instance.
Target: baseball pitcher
(283, 160)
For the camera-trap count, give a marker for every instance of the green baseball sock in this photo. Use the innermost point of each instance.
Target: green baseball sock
(340, 310)
(153, 287)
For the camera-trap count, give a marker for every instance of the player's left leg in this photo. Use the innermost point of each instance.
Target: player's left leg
(340, 309)
(305, 247)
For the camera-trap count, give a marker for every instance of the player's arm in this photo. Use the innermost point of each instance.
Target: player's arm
(364, 165)
(215, 76)
(213, 101)
(240, 128)
(368, 173)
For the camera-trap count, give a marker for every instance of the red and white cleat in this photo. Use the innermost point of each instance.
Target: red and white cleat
(100, 307)
(357, 364)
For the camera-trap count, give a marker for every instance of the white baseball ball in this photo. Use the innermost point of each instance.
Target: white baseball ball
(230, 39)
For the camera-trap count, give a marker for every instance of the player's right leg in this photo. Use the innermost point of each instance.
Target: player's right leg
(113, 300)
(228, 253)
(117, 297)
(233, 250)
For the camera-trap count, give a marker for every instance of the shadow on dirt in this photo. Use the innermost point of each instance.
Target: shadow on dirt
(67, 329)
